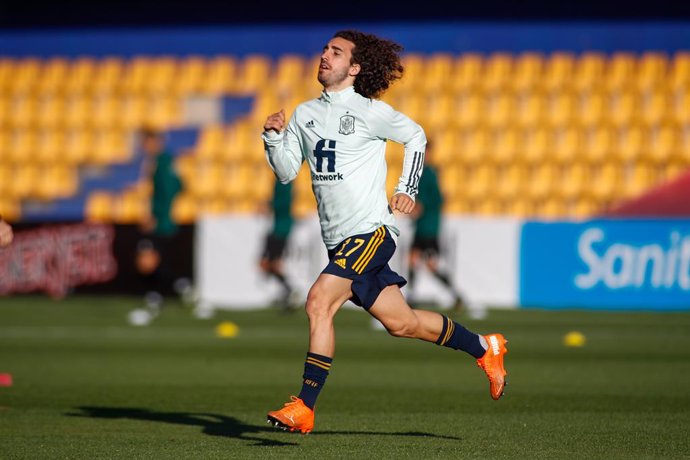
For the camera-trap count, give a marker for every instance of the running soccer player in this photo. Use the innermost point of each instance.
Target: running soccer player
(342, 137)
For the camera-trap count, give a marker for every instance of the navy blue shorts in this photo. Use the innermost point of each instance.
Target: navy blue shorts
(364, 260)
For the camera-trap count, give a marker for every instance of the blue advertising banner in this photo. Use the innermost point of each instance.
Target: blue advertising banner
(606, 264)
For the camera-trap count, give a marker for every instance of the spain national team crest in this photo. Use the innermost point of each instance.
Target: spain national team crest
(347, 124)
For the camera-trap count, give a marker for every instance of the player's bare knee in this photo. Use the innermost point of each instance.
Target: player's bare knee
(317, 306)
(406, 329)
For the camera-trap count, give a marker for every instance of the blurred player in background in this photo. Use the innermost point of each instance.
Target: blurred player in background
(271, 262)
(342, 136)
(6, 234)
(427, 218)
(153, 251)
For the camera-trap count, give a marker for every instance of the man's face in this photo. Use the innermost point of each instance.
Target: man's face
(152, 145)
(335, 66)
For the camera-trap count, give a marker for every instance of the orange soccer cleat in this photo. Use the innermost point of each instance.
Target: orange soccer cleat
(492, 364)
(295, 416)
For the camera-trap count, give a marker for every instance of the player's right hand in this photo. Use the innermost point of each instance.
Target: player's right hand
(275, 122)
(6, 234)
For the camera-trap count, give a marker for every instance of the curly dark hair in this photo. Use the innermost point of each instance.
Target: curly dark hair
(379, 60)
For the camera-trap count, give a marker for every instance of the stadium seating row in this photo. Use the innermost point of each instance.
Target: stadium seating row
(228, 74)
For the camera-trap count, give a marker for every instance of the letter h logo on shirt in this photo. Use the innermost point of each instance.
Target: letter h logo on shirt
(325, 149)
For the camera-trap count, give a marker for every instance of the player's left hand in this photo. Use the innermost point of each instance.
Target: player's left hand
(6, 234)
(402, 203)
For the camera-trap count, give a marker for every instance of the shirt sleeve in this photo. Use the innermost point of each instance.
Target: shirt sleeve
(388, 123)
(283, 151)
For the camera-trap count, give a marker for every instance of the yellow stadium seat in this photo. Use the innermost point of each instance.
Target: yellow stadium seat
(561, 110)
(192, 72)
(164, 112)
(590, 71)
(54, 76)
(51, 112)
(623, 109)
(663, 144)
(656, 108)
(468, 72)
(184, 209)
(637, 179)
(254, 74)
(10, 209)
(414, 106)
(135, 109)
(79, 113)
(652, 71)
(24, 111)
(208, 181)
(437, 73)
(551, 208)
(630, 144)
(510, 181)
(289, 73)
(6, 180)
(107, 112)
(456, 206)
(542, 182)
(520, 207)
(303, 206)
(605, 181)
(414, 67)
(26, 75)
(593, 109)
(261, 189)
(498, 71)
(679, 77)
(164, 73)
(99, 207)
(528, 72)
(500, 110)
(237, 181)
(5, 111)
(138, 72)
(50, 146)
(131, 207)
(438, 111)
(452, 181)
(488, 207)
(25, 178)
(470, 110)
(109, 76)
(211, 142)
(78, 145)
(24, 144)
(243, 138)
(536, 147)
(675, 169)
(574, 181)
(481, 182)
(621, 69)
(6, 142)
(567, 144)
(221, 76)
(110, 146)
(506, 146)
(6, 74)
(81, 77)
(583, 208)
(681, 109)
(56, 182)
(558, 72)
(598, 145)
(471, 147)
(265, 103)
(530, 110)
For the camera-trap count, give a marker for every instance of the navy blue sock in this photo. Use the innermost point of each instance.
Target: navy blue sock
(457, 337)
(316, 369)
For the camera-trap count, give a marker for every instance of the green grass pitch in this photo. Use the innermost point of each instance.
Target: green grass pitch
(88, 385)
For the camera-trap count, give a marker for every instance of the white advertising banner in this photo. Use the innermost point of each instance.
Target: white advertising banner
(480, 256)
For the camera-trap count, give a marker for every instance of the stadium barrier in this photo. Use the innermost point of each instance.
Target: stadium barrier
(504, 263)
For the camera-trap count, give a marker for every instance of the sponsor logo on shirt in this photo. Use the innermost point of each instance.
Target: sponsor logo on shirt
(310, 124)
(326, 177)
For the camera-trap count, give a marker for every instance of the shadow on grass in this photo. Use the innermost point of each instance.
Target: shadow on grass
(221, 425)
